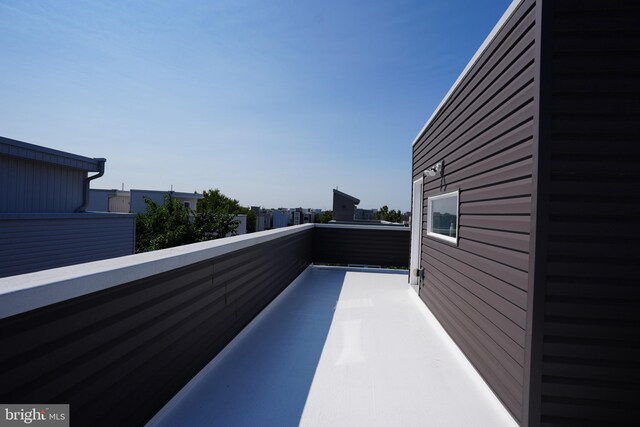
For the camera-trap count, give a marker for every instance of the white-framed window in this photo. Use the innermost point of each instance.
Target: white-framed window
(443, 214)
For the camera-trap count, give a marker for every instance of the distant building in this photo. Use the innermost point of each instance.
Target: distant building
(263, 218)
(345, 212)
(268, 218)
(296, 217)
(308, 216)
(344, 206)
(365, 214)
(44, 209)
(280, 218)
(406, 218)
(242, 224)
(138, 204)
(133, 201)
(121, 201)
(260, 219)
(109, 201)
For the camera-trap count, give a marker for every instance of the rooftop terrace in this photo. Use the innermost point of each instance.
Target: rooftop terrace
(340, 346)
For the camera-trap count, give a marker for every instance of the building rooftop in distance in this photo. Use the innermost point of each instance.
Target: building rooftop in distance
(355, 200)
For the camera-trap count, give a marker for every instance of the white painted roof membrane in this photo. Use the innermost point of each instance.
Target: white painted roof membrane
(340, 347)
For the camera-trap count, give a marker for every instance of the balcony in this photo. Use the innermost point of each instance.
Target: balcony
(248, 330)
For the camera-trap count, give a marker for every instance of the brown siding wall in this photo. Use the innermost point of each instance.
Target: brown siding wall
(591, 337)
(485, 136)
(118, 355)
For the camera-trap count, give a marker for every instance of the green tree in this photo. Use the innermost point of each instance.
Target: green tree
(385, 214)
(251, 219)
(163, 226)
(324, 217)
(214, 216)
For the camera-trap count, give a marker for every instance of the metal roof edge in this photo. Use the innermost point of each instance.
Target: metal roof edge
(494, 32)
(25, 150)
(348, 196)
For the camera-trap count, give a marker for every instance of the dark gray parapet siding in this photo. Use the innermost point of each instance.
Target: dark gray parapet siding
(484, 134)
(365, 245)
(33, 242)
(118, 355)
(588, 367)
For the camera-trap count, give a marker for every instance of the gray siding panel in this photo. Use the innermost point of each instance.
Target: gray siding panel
(28, 186)
(118, 355)
(484, 134)
(590, 371)
(368, 246)
(40, 242)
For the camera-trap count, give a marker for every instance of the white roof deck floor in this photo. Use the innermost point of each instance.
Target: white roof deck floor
(339, 347)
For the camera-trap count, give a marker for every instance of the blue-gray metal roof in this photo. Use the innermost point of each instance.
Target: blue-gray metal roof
(24, 150)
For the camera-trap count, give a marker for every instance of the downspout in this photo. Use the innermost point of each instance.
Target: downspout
(87, 181)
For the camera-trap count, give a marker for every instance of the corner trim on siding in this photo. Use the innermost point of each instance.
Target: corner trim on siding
(496, 29)
(540, 199)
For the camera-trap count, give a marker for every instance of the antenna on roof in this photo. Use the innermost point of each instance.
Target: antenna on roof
(123, 186)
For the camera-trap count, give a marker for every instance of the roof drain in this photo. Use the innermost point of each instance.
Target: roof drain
(87, 181)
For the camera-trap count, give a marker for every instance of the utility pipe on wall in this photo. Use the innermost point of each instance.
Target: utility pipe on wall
(87, 181)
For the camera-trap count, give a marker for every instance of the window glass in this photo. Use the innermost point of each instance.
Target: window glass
(443, 216)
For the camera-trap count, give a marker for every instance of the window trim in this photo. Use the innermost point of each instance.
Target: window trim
(439, 236)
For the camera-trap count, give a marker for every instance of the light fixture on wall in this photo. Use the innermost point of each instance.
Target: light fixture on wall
(433, 170)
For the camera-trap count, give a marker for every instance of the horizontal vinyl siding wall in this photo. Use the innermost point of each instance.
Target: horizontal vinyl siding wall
(591, 350)
(28, 245)
(31, 186)
(386, 248)
(118, 355)
(484, 135)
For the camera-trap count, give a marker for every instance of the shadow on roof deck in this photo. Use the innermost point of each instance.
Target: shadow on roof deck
(339, 347)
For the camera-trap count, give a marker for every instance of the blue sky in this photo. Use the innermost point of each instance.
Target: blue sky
(273, 102)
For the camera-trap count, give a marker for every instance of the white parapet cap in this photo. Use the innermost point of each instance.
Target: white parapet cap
(505, 17)
(357, 226)
(25, 292)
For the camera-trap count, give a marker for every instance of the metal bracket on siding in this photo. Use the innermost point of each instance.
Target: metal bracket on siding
(433, 170)
(419, 273)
